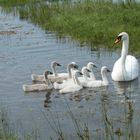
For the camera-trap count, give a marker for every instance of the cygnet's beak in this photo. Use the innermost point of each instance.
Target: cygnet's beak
(80, 73)
(108, 70)
(75, 66)
(88, 70)
(94, 66)
(58, 64)
(46, 73)
(49, 72)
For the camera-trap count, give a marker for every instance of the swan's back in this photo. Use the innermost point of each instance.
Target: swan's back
(63, 84)
(132, 67)
(59, 78)
(68, 89)
(36, 87)
(74, 86)
(96, 83)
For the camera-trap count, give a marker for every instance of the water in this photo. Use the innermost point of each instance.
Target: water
(109, 113)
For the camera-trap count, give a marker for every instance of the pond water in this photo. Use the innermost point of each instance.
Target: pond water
(108, 113)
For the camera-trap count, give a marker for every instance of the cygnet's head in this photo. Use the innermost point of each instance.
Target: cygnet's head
(91, 65)
(77, 72)
(121, 37)
(46, 73)
(54, 63)
(73, 65)
(85, 70)
(104, 69)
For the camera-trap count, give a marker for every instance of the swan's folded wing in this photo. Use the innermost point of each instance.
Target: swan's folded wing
(35, 87)
(37, 78)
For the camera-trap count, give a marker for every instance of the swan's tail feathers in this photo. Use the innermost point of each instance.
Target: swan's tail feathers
(35, 87)
(37, 78)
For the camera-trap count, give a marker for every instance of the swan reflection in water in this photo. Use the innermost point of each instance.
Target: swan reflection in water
(126, 88)
(118, 119)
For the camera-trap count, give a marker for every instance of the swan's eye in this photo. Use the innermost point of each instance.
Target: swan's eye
(94, 66)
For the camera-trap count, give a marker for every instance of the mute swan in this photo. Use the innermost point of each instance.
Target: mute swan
(39, 87)
(75, 86)
(91, 66)
(56, 76)
(99, 83)
(126, 68)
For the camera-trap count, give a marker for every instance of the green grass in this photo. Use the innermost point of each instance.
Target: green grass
(16, 2)
(92, 22)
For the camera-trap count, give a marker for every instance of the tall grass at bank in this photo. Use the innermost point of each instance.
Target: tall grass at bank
(96, 22)
(16, 2)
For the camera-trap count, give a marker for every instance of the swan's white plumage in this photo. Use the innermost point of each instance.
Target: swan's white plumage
(61, 85)
(55, 77)
(69, 80)
(84, 79)
(40, 78)
(99, 83)
(91, 66)
(74, 86)
(126, 68)
(36, 87)
(39, 87)
(36, 77)
(131, 67)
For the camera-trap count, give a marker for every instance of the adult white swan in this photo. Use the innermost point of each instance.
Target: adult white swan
(126, 68)
(39, 87)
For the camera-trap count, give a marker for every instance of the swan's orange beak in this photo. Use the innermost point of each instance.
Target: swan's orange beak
(118, 39)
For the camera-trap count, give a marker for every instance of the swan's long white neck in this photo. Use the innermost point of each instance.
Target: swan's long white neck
(69, 71)
(92, 76)
(85, 75)
(54, 70)
(75, 78)
(104, 77)
(47, 81)
(124, 53)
